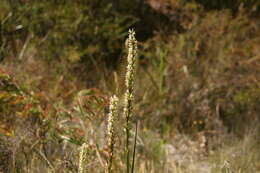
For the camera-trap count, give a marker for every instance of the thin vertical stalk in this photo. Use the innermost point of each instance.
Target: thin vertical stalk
(129, 81)
(133, 161)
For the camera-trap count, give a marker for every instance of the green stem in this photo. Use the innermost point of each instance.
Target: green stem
(133, 161)
(127, 145)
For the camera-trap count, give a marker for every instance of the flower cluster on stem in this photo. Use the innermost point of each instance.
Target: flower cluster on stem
(82, 157)
(129, 82)
(111, 141)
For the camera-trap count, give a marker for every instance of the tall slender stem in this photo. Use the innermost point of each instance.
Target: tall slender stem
(133, 161)
(129, 81)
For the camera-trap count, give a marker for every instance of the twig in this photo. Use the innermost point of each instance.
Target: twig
(47, 161)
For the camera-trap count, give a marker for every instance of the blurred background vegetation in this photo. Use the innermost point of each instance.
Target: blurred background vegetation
(198, 76)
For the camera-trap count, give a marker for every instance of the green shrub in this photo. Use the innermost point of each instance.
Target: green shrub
(210, 77)
(75, 31)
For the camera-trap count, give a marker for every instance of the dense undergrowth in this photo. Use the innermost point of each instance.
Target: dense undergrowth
(197, 87)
